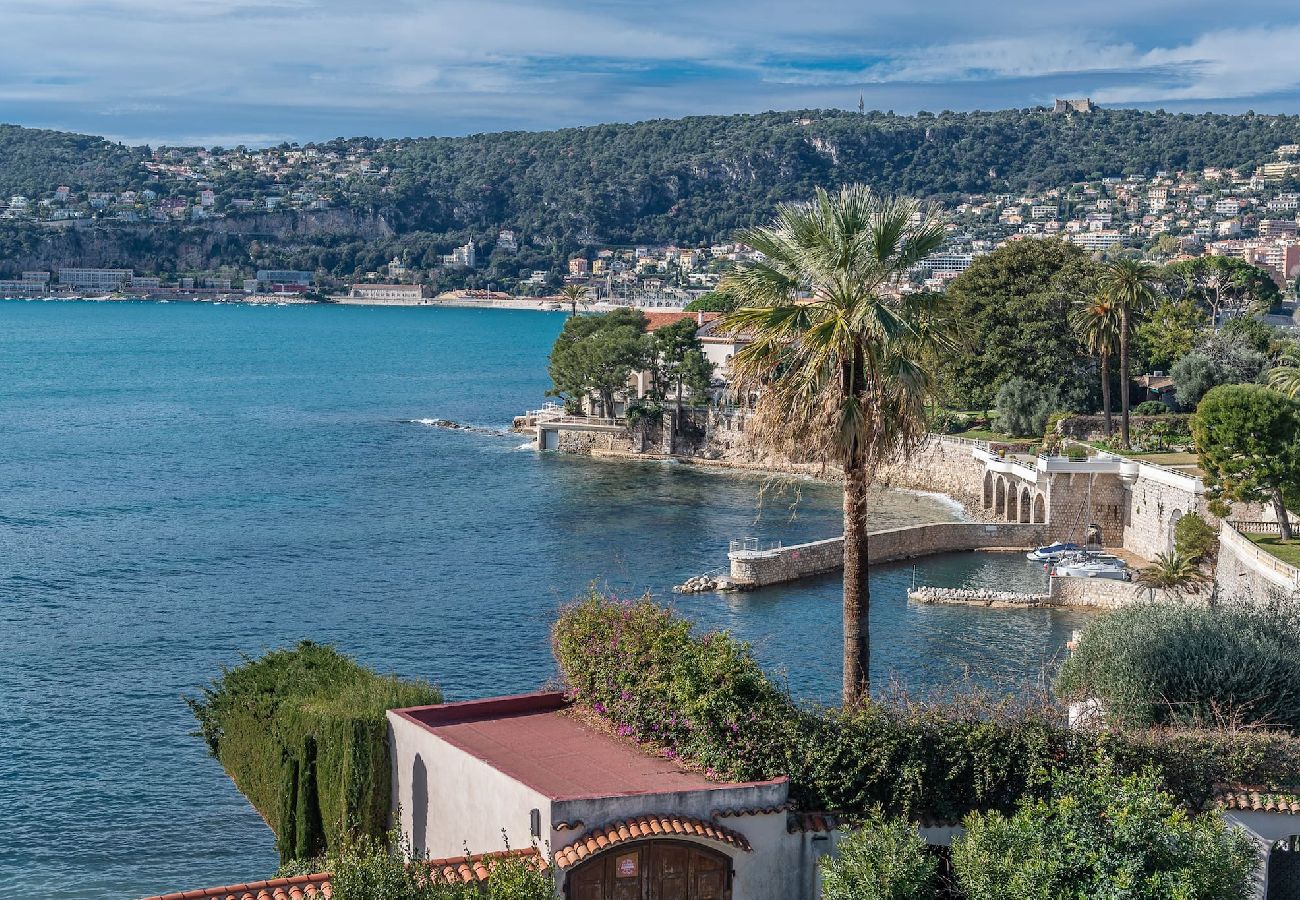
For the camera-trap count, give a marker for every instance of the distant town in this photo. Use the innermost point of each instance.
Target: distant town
(1169, 216)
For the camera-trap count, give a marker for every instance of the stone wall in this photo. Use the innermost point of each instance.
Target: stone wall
(759, 568)
(587, 441)
(1157, 500)
(1093, 428)
(1244, 571)
(1104, 593)
(943, 464)
(1077, 500)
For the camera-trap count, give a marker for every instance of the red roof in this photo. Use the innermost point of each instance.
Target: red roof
(659, 320)
(537, 741)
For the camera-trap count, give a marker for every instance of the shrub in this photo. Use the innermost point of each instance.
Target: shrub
(302, 733)
(704, 699)
(1170, 664)
(881, 859)
(1100, 834)
(1194, 537)
(1023, 407)
(1150, 408)
(373, 869)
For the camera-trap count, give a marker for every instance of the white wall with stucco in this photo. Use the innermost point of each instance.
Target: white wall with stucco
(450, 801)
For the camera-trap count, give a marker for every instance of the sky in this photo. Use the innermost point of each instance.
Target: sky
(233, 71)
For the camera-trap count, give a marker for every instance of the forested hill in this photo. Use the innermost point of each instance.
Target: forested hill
(696, 179)
(686, 181)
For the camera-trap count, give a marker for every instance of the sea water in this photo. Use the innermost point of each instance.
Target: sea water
(183, 484)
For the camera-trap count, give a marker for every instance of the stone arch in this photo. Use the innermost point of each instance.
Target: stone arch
(1040, 510)
(1026, 502)
(1174, 516)
(1000, 496)
(988, 489)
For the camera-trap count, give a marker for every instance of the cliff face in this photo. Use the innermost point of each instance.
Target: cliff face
(151, 247)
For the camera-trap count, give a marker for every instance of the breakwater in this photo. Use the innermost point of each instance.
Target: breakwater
(979, 597)
(759, 568)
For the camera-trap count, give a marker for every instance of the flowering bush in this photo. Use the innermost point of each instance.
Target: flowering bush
(703, 698)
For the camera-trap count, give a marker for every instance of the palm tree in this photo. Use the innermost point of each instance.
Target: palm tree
(1097, 322)
(574, 294)
(1285, 377)
(1127, 282)
(835, 356)
(1172, 573)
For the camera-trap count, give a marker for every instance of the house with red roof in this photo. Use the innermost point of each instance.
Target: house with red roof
(618, 820)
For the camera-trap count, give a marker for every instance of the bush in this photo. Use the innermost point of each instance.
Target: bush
(371, 869)
(881, 859)
(1194, 537)
(1023, 407)
(303, 734)
(1100, 834)
(703, 698)
(1150, 408)
(1191, 666)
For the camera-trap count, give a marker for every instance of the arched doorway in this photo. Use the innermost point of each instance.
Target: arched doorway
(1000, 497)
(652, 870)
(988, 490)
(1169, 538)
(1024, 505)
(1040, 511)
(1284, 869)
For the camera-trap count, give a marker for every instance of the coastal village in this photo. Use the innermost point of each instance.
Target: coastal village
(879, 346)
(621, 786)
(1171, 215)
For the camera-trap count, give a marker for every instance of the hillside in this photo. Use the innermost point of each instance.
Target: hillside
(686, 181)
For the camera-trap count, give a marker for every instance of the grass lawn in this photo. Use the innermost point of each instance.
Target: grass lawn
(1287, 551)
(985, 434)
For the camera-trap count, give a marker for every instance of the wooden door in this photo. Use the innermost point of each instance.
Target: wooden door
(652, 870)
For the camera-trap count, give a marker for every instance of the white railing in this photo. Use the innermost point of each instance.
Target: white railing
(961, 441)
(582, 420)
(754, 545)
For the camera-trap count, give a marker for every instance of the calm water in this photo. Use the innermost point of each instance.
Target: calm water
(181, 484)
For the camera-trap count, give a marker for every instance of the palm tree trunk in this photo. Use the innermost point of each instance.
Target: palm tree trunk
(857, 590)
(1105, 392)
(1123, 376)
(1283, 520)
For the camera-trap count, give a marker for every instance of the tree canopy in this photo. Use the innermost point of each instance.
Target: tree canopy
(1247, 439)
(1013, 307)
(595, 355)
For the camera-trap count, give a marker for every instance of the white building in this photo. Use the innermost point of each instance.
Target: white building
(94, 279)
(461, 258)
(406, 292)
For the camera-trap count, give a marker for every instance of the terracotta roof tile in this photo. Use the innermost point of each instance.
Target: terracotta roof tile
(299, 887)
(644, 827)
(453, 870)
(1259, 799)
(749, 811)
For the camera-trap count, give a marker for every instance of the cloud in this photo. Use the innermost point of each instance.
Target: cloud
(304, 69)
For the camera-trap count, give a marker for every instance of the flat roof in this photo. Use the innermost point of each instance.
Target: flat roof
(535, 740)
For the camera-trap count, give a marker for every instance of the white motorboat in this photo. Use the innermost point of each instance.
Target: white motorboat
(1092, 565)
(1053, 552)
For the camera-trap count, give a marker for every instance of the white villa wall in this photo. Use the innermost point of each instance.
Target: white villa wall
(769, 871)
(449, 800)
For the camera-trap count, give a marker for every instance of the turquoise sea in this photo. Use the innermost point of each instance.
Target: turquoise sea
(181, 484)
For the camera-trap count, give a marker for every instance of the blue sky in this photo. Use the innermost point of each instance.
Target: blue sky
(230, 71)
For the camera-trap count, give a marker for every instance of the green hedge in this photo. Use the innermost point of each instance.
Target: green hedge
(302, 733)
(704, 698)
(1167, 664)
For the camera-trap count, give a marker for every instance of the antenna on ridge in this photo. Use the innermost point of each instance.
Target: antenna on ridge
(862, 106)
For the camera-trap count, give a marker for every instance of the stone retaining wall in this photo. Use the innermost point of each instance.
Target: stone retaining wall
(1244, 571)
(758, 568)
